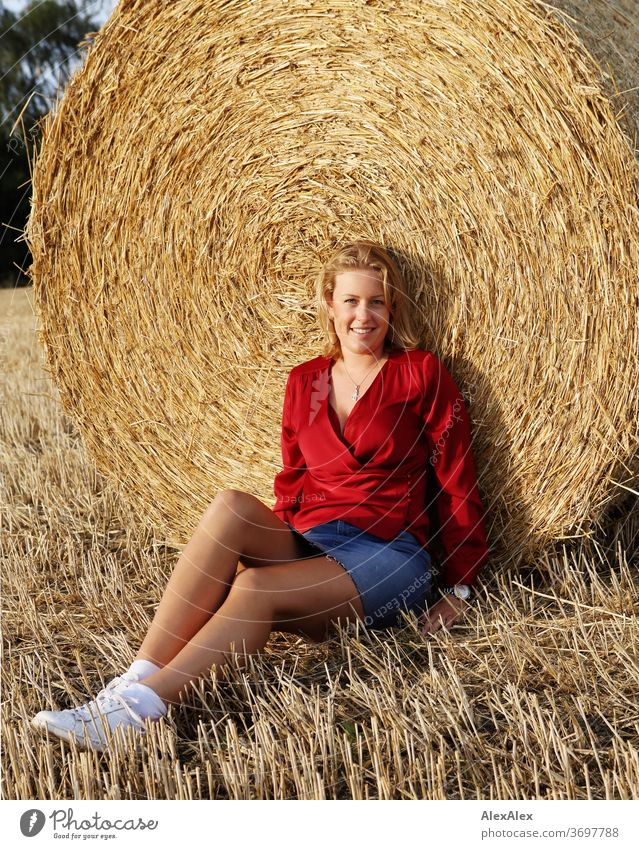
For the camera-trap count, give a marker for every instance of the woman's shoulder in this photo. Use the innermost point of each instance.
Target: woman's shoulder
(425, 367)
(411, 355)
(414, 357)
(309, 366)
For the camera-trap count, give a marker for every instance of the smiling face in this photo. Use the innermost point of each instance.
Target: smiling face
(359, 312)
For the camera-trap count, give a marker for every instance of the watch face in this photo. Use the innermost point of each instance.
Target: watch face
(462, 591)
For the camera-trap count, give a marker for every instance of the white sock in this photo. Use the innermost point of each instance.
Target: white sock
(143, 668)
(144, 701)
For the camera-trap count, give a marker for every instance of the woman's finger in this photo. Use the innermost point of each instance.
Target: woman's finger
(434, 622)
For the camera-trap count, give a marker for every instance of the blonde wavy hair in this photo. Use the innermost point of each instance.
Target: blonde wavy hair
(360, 255)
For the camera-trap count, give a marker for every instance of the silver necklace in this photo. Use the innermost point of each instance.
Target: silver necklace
(355, 394)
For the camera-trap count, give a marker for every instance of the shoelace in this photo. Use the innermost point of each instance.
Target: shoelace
(107, 698)
(113, 701)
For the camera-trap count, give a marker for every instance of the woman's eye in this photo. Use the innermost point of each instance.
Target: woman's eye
(376, 301)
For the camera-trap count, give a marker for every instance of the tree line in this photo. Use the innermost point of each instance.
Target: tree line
(40, 47)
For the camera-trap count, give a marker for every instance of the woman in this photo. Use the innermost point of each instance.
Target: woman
(368, 430)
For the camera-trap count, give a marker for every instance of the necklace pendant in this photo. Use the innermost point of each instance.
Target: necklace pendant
(355, 394)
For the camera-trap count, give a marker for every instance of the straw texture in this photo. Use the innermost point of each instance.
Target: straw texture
(207, 158)
(610, 31)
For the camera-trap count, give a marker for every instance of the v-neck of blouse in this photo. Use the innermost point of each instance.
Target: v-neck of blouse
(334, 418)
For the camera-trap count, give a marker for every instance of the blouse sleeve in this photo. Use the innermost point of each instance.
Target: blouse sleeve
(459, 508)
(288, 484)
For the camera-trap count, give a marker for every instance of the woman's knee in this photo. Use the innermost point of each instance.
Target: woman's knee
(287, 592)
(230, 505)
(251, 588)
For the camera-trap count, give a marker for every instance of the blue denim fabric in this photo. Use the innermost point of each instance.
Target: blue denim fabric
(389, 575)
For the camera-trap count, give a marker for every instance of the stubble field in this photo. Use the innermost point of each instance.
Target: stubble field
(533, 695)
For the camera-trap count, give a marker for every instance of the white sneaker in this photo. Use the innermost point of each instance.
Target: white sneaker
(121, 681)
(93, 723)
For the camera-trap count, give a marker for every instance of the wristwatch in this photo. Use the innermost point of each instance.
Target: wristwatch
(462, 591)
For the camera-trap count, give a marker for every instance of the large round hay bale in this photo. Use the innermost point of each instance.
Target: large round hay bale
(209, 156)
(609, 29)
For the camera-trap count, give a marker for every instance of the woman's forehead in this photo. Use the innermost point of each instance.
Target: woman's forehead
(360, 277)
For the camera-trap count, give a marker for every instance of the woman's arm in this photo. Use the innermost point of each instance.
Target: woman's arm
(288, 483)
(459, 506)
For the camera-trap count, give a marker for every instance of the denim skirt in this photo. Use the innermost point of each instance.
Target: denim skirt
(390, 575)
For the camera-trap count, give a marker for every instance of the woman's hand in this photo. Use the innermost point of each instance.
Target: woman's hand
(445, 612)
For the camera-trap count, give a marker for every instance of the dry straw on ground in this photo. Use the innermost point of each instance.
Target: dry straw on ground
(208, 157)
(533, 695)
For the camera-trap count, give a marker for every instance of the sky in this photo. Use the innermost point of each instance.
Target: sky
(102, 8)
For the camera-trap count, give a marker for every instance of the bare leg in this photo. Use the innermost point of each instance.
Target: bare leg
(316, 590)
(235, 525)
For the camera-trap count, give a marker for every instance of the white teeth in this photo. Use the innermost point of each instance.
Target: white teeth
(362, 332)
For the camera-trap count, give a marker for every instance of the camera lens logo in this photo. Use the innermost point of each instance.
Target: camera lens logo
(32, 822)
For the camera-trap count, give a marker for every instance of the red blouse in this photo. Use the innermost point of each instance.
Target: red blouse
(406, 440)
